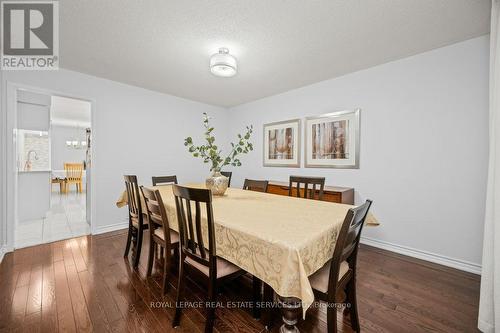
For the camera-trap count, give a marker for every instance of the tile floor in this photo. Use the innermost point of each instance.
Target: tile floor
(66, 219)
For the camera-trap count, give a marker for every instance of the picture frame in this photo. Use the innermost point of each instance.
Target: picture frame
(332, 140)
(281, 143)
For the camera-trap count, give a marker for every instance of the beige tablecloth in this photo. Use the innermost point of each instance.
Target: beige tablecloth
(281, 240)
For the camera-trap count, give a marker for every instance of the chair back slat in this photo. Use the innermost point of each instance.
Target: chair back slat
(347, 244)
(317, 186)
(154, 213)
(152, 205)
(353, 234)
(255, 185)
(192, 237)
(157, 214)
(201, 244)
(191, 228)
(164, 180)
(313, 190)
(228, 174)
(134, 201)
(350, 241)
(74, 171)
(181, 218)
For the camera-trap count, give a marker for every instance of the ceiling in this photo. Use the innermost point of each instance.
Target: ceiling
(165, 45)
(69, 112)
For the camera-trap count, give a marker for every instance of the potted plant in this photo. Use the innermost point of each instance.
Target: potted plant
(210, 153)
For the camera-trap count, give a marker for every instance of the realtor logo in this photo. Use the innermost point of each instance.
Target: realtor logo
(30, 35)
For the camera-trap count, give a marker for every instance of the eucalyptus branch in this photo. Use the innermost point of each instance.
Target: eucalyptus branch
(243, 146)
(211, 153)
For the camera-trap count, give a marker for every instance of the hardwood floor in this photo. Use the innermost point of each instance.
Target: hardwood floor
(84, 284)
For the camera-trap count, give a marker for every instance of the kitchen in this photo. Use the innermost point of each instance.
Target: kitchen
(53, 142)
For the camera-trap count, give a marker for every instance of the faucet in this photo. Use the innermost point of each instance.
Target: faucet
(28, 164)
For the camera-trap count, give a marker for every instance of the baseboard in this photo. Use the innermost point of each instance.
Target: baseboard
(485, 327)
(2, 253)
(424, 255)
(109, 228)
(3, 250)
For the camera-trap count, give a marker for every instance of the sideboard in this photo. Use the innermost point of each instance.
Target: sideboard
(330, 193)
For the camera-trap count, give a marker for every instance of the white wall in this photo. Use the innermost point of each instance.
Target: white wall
(424, 140)
(135, 131)
(60, 153)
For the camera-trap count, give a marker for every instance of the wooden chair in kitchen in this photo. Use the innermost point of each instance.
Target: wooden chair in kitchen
(74, 175)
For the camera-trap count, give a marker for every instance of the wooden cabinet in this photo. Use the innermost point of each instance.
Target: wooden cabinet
(336, 194)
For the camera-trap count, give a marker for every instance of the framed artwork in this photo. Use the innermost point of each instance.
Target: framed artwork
(332, 140)
(282, 144)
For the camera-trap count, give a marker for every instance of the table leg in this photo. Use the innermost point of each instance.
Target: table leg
(290, 308)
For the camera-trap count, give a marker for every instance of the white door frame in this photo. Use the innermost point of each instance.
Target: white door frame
(10, 199)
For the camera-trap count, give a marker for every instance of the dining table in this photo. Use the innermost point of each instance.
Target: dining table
(280, 240)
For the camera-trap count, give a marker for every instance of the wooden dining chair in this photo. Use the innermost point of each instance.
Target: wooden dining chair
(74, 175)
(228, 174)
(255, 185)
(164, 180)
(160, 234)
(307, 193)
(61, 182)
(195, 252)
(339, 274)
(136, 225)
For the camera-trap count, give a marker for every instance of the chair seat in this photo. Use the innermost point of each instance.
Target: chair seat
(224, 267)
(174, 236)
(319, 280)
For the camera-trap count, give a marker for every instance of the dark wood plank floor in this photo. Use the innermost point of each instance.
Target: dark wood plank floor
(84, 284)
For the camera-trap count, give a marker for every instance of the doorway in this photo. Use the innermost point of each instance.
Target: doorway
(53, 154)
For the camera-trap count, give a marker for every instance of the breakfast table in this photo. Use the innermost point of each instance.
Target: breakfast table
(279, 239)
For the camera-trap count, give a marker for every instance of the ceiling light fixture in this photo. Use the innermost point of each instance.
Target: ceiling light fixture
(223, 64)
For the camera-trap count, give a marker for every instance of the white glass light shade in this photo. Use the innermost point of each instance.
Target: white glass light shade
(223, 64)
